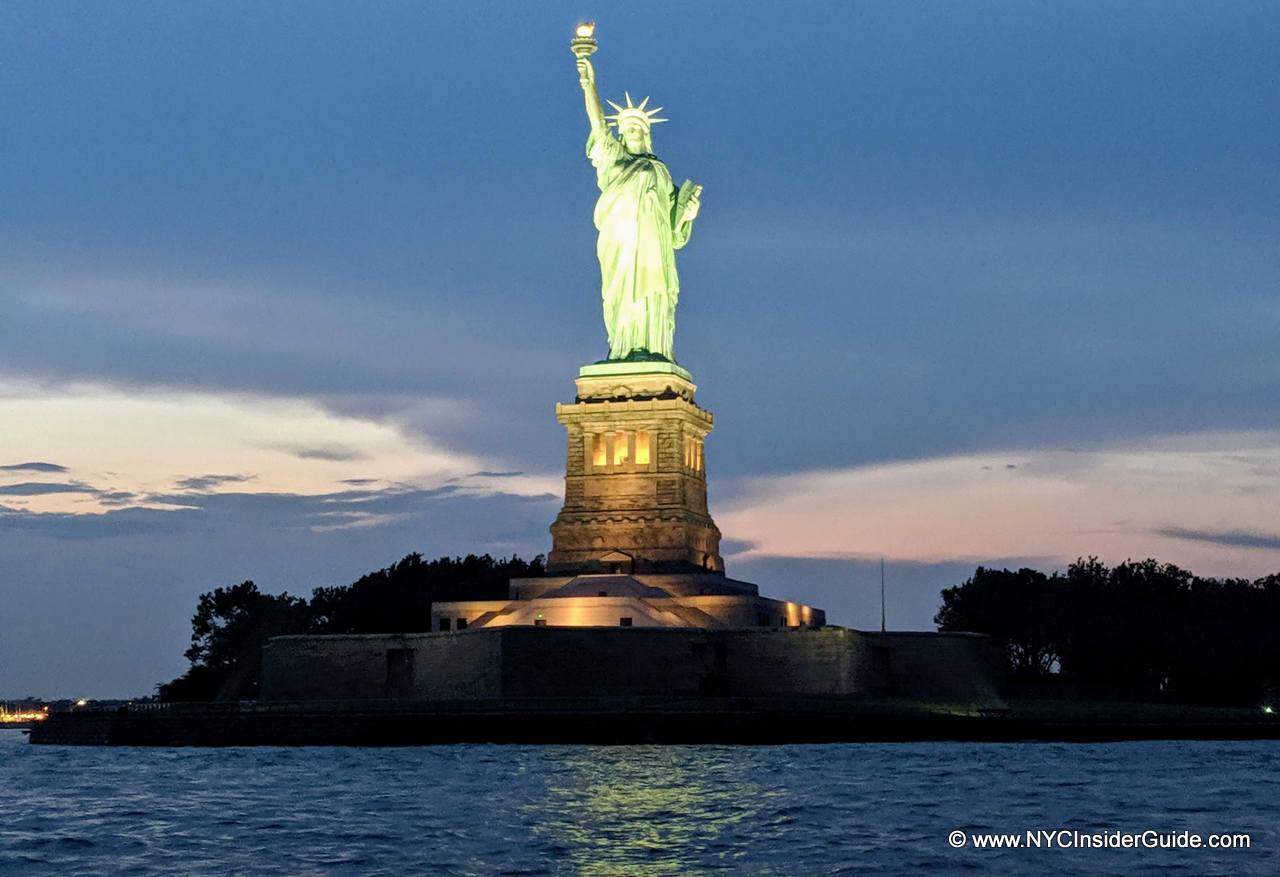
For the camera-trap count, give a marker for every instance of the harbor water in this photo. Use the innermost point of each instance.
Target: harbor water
(661, 810)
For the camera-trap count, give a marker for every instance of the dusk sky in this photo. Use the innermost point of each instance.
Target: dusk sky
(288, 291)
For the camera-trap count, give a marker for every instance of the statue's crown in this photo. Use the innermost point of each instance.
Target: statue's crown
(631, 111)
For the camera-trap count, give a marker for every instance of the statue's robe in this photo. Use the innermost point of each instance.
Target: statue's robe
(636, 248)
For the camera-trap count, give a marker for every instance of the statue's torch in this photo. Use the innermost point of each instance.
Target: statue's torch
(583, 43)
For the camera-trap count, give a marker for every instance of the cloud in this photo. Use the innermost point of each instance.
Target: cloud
(1194, 500)
(736, 546)
(332, 453)
(107, 498)
(112, 524)
(204, 482)
(250, 515)
(44, 488)
(166, 515)
(214, 441)
(486, 474)
(33, 467)
(1238, 538)
(256, 336)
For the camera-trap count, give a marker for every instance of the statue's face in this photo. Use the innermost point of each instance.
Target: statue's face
(634, 137)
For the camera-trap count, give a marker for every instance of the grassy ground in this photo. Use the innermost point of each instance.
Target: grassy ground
(1075, 711)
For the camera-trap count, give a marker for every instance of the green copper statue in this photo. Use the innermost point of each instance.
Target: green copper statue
(642, 219)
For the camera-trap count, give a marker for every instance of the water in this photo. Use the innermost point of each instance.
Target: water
(787, 810)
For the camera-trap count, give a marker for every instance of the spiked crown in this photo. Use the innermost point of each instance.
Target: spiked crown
(631, 112)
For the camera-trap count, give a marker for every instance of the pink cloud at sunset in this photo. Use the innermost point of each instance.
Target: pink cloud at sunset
(1206, 502)
(117, 448)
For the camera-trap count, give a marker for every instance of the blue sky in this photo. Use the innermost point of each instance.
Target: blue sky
(973, 282)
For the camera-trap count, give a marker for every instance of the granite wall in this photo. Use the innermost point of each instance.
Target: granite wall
(516, 662)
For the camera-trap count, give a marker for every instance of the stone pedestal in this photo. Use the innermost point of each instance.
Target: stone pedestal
(635, 475)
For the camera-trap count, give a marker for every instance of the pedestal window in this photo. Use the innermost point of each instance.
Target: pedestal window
(642, 449)
(624, 451)
(693, 454)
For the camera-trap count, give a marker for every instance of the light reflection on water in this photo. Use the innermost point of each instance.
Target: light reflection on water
(787, 810)
(611, 808)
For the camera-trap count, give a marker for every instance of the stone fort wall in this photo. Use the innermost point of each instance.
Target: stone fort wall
(550, 662)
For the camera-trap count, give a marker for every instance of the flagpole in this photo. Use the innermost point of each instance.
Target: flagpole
(882, 595)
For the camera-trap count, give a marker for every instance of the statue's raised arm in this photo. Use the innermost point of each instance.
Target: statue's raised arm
(595, 112)
(641, 216)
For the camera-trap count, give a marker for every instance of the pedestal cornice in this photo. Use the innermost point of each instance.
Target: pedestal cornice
(603, 381)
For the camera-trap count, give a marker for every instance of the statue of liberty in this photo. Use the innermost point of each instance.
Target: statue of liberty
(642, 219)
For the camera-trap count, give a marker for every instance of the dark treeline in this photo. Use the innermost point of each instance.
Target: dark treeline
(1136, 630)
(231, 624)
(1139, 629)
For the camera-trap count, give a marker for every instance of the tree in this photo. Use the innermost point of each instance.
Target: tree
(1019, 610)
(231, 625)
(1137, 628)
(228, 630)
(1126, 623)
(398, 599)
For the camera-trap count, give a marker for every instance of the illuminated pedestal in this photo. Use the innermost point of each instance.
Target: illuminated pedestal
(635, 475)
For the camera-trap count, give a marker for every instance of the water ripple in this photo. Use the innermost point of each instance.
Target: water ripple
(563, 810)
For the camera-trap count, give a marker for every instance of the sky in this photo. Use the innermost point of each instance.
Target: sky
(290, 290)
